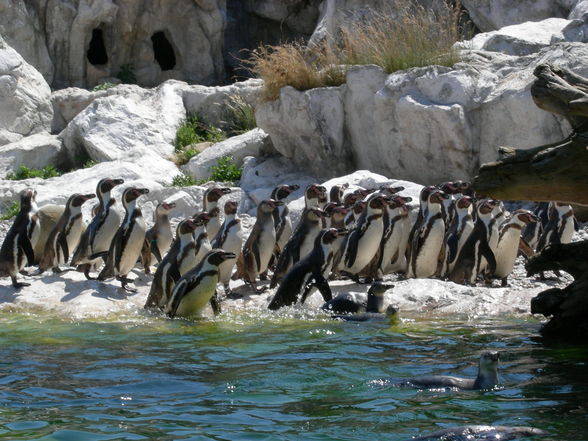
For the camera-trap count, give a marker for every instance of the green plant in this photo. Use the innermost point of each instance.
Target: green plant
(10, 211)
(23, 172)
(182, 180)
(127, 74)
(103, 86)
(225, 170)
(193, 131)
(241, 116)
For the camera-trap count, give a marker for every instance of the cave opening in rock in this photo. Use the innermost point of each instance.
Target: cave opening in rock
(97, 51)
(163, 51)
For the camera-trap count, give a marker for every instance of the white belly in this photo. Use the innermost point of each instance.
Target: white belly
(73, 238)
(232, 245)
(104, 235)
(367, 247)
(133, 248)
(391, 248)
(286, 233)
(267, 241)
(568, 231)
(428, 255)
(213, 226)
(308, 242)
(506, 252)
(194, 302)
(205, 247)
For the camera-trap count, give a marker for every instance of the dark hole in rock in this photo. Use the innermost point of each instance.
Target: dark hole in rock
(97, 51)
(163, 50)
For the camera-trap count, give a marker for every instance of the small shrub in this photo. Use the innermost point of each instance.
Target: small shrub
(225, 170)
(24, 172)
(103, 86)
(182, 180)
(192, 130)
(241, 116)
(127, 74)
(10, 211)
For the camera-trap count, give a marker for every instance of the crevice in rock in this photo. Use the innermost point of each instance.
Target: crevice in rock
(163, 51)
(97, 50)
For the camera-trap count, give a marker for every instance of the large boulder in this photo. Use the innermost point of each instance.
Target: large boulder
(25, 108)
(35, 151)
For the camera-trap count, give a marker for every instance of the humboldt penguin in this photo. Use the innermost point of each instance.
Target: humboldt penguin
(347, 303)
(422, 214)
(96, 240)
(282, 214)
(311, 271)
(197, 287)
(508, 243)
(336, 214)
(127, 243)
(300, 244)
(428, 240)
(179, 260)
(478, 433)
(230, 239)
(455, 189)
(16, 250)
(534, 230)
(336, 193)
(487, 377)
(396, 226)
(560, 226)
(258, 248)
(315, 195)
(210, 201)
(201, 238)
(159, 237)
(461, 227)
(65, 236)
(354, 214)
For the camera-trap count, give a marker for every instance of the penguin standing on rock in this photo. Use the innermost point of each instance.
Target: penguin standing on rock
(459, 230)
(282, 214)
(395, 229)
(96, 240)
(210, 201)
(126, 246)
(336, 193)
(533, 231)
(422, 214)
(159, 237)
(201, 238)
(230, 239)
(16, 250)
(559, 228)
(65, 235)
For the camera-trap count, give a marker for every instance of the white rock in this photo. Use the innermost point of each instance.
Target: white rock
(35, 151)
(580, 8)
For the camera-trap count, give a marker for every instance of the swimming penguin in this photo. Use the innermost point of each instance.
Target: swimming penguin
(534, 230)
(197, 287)
(230, 239)
(127, 243)
(480, 433)
(476, 248)
(179, 260)
(16, 250)
(258, 248)
(508, 243)
(346, 303)
(428, 240)
(311, 271)
(210, 201)
(159, 237)
(282, 214)
(300, 244)
(65, 236)
(487, 377)
(460, 229)
(336, 193)
(96, 240)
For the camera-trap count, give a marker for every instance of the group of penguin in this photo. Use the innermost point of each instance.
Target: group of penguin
(362, 234)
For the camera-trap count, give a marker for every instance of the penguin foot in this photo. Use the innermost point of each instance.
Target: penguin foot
(263, 276)
(57, 270)
(87, 273)
(124, 279)
(24, 272)
(18, 284)
(128, 288)
(234, 295)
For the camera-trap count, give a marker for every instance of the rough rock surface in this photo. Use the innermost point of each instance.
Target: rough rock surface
(25, 108)
(35, 151)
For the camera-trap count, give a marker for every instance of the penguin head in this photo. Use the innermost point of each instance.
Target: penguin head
(217, 256)
(464, 202)
(231, 207)
(201, 218)
(336, 211)
(213, 194)
(486, 206)
(426, 191)
(451, 187)
(389, 189)
(107, 184)
(524, 217)
(489, 360)
(28, 200)
(330, 235)
(132, 193)
(187, 226)
(437, 197)
(283, 191)
(268, 206)
(315, 191)
(76, 199)
(359, 206)
(164, 208)
(378, 288)
(350, 199)
(337, 191)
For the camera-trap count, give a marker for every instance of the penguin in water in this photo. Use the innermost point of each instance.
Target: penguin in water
(230, 239)
(180, 259)
(159, 237)
(65, 236)
(348, 307)
(460, 229)
(210, 201)
(126, 246)
(480, 433)
(508, 243)
(311, 271)
(486, 379)
(96, 240)
(16, 250)
(259, 247)
(428, 240)
(282, 214)
(197, 287)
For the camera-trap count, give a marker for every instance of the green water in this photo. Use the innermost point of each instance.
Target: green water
(272, 377)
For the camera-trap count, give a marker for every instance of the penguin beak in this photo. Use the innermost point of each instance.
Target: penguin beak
(227, 256)
(142, 190)
(169, 206)
(293, 188)
(190, 224)
(406, 199)
(116, 182)
(225, 190)
(89, 196)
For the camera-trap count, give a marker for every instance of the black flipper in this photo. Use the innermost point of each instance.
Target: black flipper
(323, 287)
(62, 243)
(177, 294)
(26, 246)
(215, 303)
(155, 251)
(489, 255)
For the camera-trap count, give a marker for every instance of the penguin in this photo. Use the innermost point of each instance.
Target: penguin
(230, 239)
(336, 193)
(396, 226)
(179, 260)
(258, 248)
(458, 232)
(197, 287)
(423, 200)
(315, 195)
(428, 240)
(210, 201)
(335, 214)
(560, 227)
(311, 271)
(16, 250)
(65, 236)
(455, 190)
(96, 240)
(508, 243)
(346, 303)
(300, 244)
(282, 215)
(127, 243)
(159, 237)
(498, 217)
(534, 230)
(354, 214)
(476, 248)
(478, 432)
(201, 238)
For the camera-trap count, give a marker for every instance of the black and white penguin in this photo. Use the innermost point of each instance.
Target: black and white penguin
(311, 271)
(201, 237)
(159, 237)
(560, 227)
(354, 214)
(179, 260)
(428, 240)
(259, 246)
(460, 229)
(533, 231)
(210, 201)
(282, 214)
(476, 249)
(315, 195)
(423, 202)
(336, 214)
(197, 287)
(127, 243)
(347, 303)
(478, 432)
(455, 190)
(337, 192)
(16, 250)
(509, 242)
(230, 239)
(65, 235)
(96, 240)
(300, 244)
